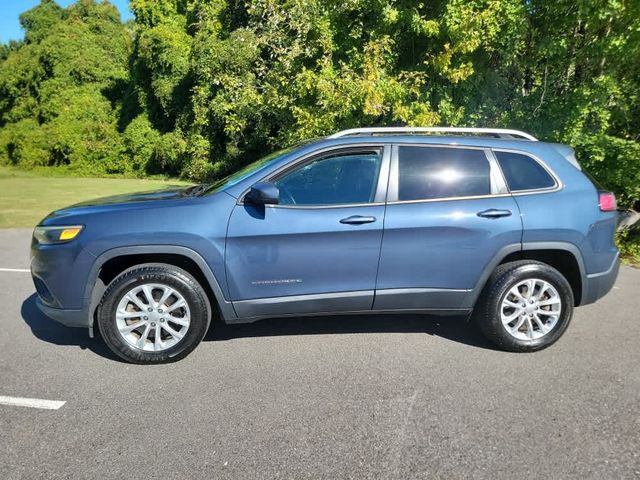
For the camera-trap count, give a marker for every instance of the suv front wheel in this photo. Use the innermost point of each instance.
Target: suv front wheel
(526, 306)
(153, 313)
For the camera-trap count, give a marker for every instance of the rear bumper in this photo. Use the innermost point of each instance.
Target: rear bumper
(597, 285)
(70, 318)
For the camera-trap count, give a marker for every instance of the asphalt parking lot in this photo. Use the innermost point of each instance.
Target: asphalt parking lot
(386, 397)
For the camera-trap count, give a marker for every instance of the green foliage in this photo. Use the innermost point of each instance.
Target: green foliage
(139, 140)
(200, 87)
(615, 162)
(37, 21)
(168, 154)
(56, 105)
(628, 242)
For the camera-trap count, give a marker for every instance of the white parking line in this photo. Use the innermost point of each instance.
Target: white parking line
(16, 270)
(31, 402)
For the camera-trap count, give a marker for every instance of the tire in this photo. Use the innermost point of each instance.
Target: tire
(507, 294)
(171, 329)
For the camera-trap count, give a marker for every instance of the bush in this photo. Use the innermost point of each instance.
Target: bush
(614, 162)
(628, 242)
(139, 142)
(168, 155)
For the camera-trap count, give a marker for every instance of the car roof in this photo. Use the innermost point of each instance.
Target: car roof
(472, 141)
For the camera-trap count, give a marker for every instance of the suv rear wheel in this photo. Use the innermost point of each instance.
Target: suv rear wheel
(526, 306)
(153, 313)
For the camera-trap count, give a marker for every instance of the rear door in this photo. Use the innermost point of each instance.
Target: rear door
(448, 216)
(318, 249)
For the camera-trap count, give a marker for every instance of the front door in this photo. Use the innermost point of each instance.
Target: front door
(318, 249)
(448, 216)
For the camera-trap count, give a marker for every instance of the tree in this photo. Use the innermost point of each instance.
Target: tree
(200, 87)
(59, 90)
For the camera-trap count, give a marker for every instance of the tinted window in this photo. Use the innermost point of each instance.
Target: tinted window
(332, 180)
(523, 172)
(433, 172)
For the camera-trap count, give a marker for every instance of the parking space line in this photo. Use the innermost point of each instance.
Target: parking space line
(31, 402)
(15, 270)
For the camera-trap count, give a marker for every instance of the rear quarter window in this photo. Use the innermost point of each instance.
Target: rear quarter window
(523, 172)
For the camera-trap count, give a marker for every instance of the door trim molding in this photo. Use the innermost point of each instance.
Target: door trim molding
(435, 301)
(360, 300)
(420, 298)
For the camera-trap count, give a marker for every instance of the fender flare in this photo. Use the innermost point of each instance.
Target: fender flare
(94, 288)
(525, 246)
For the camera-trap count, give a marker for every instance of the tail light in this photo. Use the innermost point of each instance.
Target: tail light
(607, 201)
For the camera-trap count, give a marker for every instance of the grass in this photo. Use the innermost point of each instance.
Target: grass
(27, 197)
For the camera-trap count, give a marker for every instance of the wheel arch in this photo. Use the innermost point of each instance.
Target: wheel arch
(563, 256)
(113, 262)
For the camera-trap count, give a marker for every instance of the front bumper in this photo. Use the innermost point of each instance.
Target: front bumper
(597, 285)
(60, 273)
(70, 318)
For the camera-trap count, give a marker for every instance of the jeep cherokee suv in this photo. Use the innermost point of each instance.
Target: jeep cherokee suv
(491, 223)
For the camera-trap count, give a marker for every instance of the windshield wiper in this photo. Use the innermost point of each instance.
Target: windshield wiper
(197, 190)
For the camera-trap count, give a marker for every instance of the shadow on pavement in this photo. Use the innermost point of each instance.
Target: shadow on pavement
(456, 329)
(51, 331)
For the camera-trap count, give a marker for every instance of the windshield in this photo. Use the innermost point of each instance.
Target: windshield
(247, 171)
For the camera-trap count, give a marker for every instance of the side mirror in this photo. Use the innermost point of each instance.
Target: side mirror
(263, 193)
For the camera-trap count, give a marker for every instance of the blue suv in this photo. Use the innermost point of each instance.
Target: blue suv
(491, 223)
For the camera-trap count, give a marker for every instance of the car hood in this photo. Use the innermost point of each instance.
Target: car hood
(120, 202)
(165, 194)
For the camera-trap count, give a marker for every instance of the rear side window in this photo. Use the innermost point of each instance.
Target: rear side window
(426, 173)
(523, 172)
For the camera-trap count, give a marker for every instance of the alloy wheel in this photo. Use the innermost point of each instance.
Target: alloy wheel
(530, 309)
(153, 317)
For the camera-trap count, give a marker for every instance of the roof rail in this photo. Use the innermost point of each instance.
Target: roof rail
(499, 132)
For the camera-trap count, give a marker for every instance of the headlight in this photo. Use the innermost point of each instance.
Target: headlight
(56, 234)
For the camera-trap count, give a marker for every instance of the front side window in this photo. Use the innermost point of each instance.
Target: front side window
(523, 172)
(426, 173)
(336, 179)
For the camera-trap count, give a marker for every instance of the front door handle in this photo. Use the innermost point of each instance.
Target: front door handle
(494, 213)
(357, 220)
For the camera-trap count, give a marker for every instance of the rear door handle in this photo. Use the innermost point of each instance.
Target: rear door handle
(357, 220)
(494, 213)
